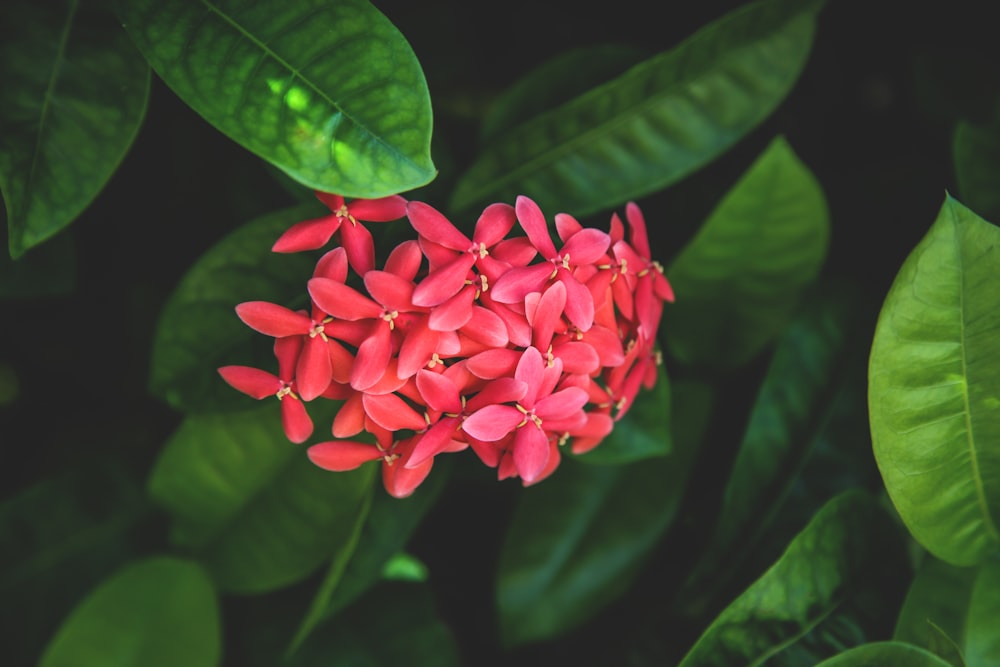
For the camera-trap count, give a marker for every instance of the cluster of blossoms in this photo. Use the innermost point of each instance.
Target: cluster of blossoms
(509, 346)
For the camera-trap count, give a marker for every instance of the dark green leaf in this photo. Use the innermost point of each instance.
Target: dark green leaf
(199, 331)
(642, 433)
(559, 80)
(73, 97)
(738, 281)
(885, 654)
(159, 612)
(49, 270)
(253, 507)
(976, 151)
(394, 624)
(934, 388)
(330, 92)
(828, 562)
(654, 124)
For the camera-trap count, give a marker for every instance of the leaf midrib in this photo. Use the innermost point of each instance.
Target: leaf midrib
(991, 526)
(308, 83)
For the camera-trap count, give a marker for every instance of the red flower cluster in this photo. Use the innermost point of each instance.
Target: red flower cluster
(482, 346)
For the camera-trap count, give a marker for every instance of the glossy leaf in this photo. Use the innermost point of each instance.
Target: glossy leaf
(160, 612)
(642, 433)
(578, 539)
(654, 124)
(934, 388)
(885, 654)
(330, 92)
(556, 81)
(394, 624)
(831, 559)
(976, 152)
(250, 504)
(199, 331)
(73, 97)
(738, 281)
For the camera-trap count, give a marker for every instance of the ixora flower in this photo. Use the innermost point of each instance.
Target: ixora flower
(501, 344)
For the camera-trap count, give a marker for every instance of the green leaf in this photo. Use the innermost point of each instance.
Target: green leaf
(394, 624)
(160, 612)
(953, 605)
(48, 271)
(330, 92)
(250, 504)
(642, 433)
(654, 124)
(404, 567)
(738, 281)
(556, 81)
(578, 540)
(845, 549)
(57, 539)
(199, 331)
(73, 97)
(885, 654)
(934, 388)
(976, 152)
(791, 409)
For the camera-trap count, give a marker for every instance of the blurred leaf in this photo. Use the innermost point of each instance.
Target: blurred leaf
(558, 80)
(976, 152)
(10, 387)
(394, 624)
(656, 123)
(199, 331)
(578, 540)
(738, 281)
(934, 388)
(157, 612)
(643, 432)
(404, 567)
(49, 270)
(330, 92)
(73, 97)
(790, 412)
(250, 504)
(958, 605)
(830, 560)
(885, 654)
(57, 538)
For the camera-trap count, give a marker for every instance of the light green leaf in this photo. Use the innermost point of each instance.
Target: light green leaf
(578, 540)
(250, 504)
(976, 152)
(654, 124)
(642, 433)
(330, 92)
(934, 388)
(844, 550)
(885, 654)
(738, 281)
(199, 331)
(404, 567)
(160, 612)
(73, 97)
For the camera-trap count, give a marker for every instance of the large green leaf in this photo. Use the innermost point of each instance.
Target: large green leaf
(961, 603)
(199, 331)
(844, 551)
(643, 432)
(58, 538)
(73, 97)
(885, 654)
(160, 612)
(330, 92)
(578, 540)
(250, 504)
(738, 281)
(934, 388)
(654, 124)
(976, 152)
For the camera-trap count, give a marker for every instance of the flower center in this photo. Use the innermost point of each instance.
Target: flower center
(390, 317)
(529, 415)
(342, 212)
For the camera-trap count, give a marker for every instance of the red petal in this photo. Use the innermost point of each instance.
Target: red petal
(390, 380)
(272, 319)
(350, 419)
(332, 265)
(637, 223)
(417, 349)
(547, 315)
(400, 481)
(298, 427)
(617, 229)
(332, 201)
(439, 392)
(486, 327)
(431, 224)
(531, 452)
(360, 246)
(404, 260)
(607, 345)
(586, 246)
(388, 289)
(598, 426)
(579, 302)
(341, 362)
(577, 357)
(251, 381)
(550, 467)
(314, 370)
(392, 413)
(307, 235)
(519, 281)
(341, 301)
(566, 227)
(492, 422)
(452, 314)
(373, 357)
(436, 440)
(530, 370)
(561, 404)
(495, 223)
(378, 210)
(444, 282)
(287, 351)
(502, 390)
(517, 251)
(493, 363)
(342, 455)
(533, 222)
